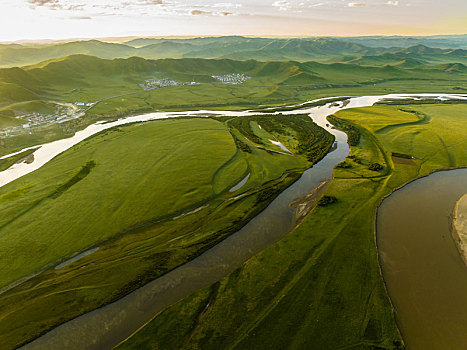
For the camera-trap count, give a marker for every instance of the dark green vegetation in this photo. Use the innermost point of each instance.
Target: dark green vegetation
(375, 167)
(352, 132)
(310, 142)
(320, 287)
(151, 196)
(326, 200)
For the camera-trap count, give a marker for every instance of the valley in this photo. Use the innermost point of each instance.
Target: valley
(205, 193)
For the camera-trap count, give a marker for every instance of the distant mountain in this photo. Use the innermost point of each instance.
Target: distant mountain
(21, 55)
(233, 47)
(452, 68)
(438, 41)
(415, 56)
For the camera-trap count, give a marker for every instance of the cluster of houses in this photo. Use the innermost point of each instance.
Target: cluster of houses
(152, 84)
(232, 78)
(85, 104)
(35, 120)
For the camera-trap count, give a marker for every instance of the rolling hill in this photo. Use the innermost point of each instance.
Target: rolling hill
(88, 78)
(233, 47)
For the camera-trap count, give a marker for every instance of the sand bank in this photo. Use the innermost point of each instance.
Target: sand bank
(460, 226)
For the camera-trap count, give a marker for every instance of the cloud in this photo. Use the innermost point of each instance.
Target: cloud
(356, 4)
(56, 5)
(53, 4)
(392, 3)
(210, 13)
(227, 5)
(42, 2)
(151, 2)
(282, 5)
(199, 12)
(90, 9)
(81, 17)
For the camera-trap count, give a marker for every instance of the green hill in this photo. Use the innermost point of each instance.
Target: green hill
(21, 55)
(88, 78)
(236, 48)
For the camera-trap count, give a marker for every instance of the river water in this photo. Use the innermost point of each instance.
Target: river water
(105, 327)
(424, 272)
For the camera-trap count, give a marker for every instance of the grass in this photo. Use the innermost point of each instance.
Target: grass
(115, 83)
(129, 191)
(320, 287)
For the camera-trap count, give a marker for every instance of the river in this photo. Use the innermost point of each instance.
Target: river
(105, 327)
(424, 272)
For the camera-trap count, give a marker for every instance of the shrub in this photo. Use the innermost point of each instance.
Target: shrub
(327, 200)
(344, 165)
(375, 167)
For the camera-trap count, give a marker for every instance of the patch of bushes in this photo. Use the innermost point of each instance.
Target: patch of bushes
(375, 167)
(242, 124)
(353, 134)
(313, 141)
(327, 200)
(344, 165)
(355, 159)
(241, 145)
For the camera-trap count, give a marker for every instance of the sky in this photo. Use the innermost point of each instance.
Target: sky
(66, 19)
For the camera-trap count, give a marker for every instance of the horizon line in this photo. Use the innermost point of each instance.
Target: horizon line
(110, 38)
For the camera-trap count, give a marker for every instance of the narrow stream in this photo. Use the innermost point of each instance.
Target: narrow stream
(105, 327)
(424, 272)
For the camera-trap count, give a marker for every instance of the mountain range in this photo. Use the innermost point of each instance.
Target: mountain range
(326, 50)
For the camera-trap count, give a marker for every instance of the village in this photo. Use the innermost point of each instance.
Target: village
(152, 84)
(235, 79)
(68, 111)
(64, 112)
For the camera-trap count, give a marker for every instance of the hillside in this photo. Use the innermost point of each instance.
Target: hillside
(89, 78)
(233, 47)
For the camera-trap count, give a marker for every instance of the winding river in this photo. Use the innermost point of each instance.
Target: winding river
(105, 327)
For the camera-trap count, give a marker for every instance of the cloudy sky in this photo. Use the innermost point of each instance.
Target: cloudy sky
(61, 19)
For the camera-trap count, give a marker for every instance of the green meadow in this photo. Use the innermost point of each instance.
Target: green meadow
(150, 196)
(320, 287)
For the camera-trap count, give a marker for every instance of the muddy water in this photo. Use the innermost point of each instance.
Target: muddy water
(105, 327)
(424, 273)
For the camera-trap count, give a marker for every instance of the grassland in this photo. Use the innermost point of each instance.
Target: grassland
(114, 85)
(320, 287)
(151, 196)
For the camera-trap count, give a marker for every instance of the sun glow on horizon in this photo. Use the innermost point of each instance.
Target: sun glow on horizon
(64, 19)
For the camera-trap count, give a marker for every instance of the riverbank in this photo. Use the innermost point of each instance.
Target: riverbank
(303, 205)
(459, 223)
